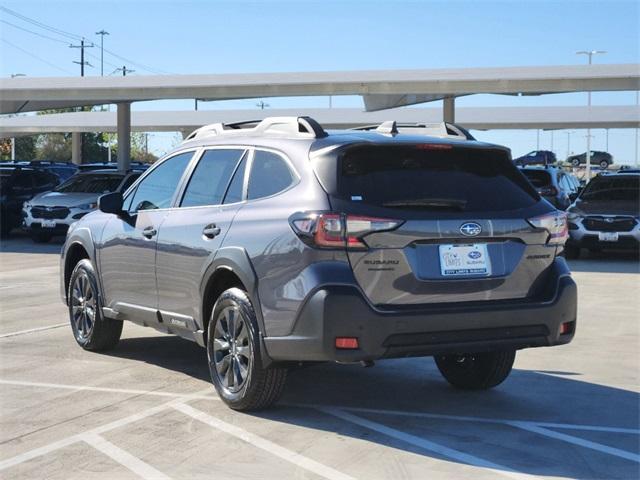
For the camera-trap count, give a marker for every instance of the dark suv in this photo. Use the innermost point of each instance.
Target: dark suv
(19, 184)
(553, 184)
(603, 159)
(537, 157)
(280, 244)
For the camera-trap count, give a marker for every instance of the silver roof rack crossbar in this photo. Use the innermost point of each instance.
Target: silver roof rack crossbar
(302, 127)
(442, 129)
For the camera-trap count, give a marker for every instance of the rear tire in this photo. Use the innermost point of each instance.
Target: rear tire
(604, 164)
(91, 329)
(476, 371)
(234, 355)
(575, 162)
(41, 237)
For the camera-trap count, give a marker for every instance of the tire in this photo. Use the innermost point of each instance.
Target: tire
(41, 237)
(476, 371)
(575, 162)
(571, 252)
(91, 329)
(604, 164)
(234, 355)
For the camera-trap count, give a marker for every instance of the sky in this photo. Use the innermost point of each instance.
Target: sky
(151, 37)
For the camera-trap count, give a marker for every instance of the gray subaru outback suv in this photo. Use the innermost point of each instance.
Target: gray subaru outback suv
(277, 243)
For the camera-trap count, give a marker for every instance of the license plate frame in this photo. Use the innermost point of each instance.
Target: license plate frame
(48, 224)
(464, 260)
(608, 236)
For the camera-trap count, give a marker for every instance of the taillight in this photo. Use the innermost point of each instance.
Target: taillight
(337, 230)
(548, 191)
(555, 223)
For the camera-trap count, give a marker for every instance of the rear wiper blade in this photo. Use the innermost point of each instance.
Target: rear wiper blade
(446, 203)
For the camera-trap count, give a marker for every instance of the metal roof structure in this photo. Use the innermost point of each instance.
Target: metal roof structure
(380, 88)
(476, 118)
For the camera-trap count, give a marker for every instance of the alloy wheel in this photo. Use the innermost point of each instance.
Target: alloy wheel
(231, 349)
(83, 306)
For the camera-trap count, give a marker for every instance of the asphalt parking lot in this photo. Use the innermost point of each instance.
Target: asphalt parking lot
(147, 409)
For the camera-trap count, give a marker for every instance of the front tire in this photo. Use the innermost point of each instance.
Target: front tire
(91, 329)
(234, 355)
(476, 371)
(604, 164)
(575, 162)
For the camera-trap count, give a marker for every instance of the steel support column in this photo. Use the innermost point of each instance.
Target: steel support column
(124, 136)
(76, 148)
(449, 109)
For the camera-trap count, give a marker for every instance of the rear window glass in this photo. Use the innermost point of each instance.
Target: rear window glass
(626, 189)
(417, 179)
(538, 178)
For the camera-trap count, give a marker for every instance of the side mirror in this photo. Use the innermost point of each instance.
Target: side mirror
(110, 203)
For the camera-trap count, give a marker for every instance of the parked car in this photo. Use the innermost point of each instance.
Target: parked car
(63, 170)
(283, 244)
(19, 184)
(536, 157)
(553, 184)
(603, 159)
(50, 213)
(606, 214)
(86, 167)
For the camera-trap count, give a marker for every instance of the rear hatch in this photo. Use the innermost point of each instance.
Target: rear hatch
(461, 233)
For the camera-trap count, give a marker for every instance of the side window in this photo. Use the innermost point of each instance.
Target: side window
(269, 175)
(23, 181)
(234, 192)
(210, 178)
(44, 180)
(156, 190)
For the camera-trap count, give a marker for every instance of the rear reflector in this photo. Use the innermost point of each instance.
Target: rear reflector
(566, 327)
(347, 343)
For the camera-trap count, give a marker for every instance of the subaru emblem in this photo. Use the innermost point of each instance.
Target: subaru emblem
(608, 220)
(470, 229)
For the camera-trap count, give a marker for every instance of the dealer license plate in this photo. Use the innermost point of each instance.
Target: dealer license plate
(464, 260)
(608, 236)
(48, 224)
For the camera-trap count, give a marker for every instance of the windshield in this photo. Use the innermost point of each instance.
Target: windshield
(90, 184)
(621, 188)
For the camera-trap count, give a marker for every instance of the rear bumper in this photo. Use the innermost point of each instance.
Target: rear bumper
(342, 311)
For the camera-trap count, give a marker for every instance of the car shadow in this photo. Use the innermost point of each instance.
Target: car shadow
(20, 242)
(607, 261)
(415, 386)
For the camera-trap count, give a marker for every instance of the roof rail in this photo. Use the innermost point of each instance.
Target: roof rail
(443, 129)
(303, 127)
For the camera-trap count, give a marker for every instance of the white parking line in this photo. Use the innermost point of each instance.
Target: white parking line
(212, 396)
(447, 452)
(33, 330)
(124, 458)
(578, 441)
(266, 445)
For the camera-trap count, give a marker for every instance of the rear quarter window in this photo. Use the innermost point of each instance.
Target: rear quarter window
(414, 178)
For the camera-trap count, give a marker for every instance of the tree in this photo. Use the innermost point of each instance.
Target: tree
(25, 148)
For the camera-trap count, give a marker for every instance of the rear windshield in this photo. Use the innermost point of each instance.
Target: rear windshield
(413, 178)
(90, 184)
(538, 178)
(622, 188)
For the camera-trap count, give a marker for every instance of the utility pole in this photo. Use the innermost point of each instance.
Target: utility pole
(568, 143)
(538, 139)
(262, 104)
(124, 70)
(102, 33)
(82, 63)
(13, 149)
(551, 140)
(590, 54)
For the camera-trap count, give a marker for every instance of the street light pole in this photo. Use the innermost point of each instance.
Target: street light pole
(102, 33)
(568, 143)
(589, 54)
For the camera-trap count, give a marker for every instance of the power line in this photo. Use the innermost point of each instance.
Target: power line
(40, 24)
(35, 33)
(35, 56)
(78, 37)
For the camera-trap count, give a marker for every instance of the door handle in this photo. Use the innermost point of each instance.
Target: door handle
(210, 231)
(149, 232)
